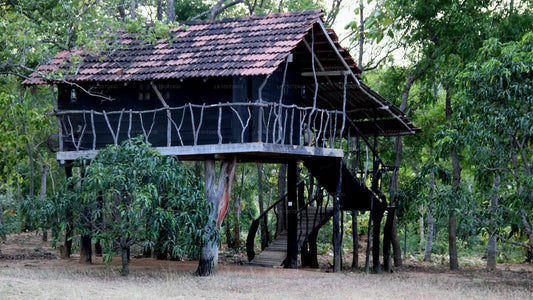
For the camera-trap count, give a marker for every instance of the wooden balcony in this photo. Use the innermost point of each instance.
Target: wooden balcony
(256, 131)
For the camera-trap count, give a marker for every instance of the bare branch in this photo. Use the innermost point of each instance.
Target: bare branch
(217, 9)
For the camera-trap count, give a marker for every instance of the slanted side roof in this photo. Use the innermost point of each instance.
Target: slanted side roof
(254, 45)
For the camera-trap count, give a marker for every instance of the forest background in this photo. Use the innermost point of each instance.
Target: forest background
(461, 70)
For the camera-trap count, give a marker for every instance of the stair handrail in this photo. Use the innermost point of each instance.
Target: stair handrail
(250, 239)
(319, 209)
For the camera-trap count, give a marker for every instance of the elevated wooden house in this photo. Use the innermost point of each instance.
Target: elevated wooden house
(274, 88)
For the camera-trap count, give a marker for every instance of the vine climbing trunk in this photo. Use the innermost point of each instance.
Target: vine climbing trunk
(217, 192)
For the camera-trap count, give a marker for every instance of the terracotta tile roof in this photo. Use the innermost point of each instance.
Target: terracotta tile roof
(254, 45)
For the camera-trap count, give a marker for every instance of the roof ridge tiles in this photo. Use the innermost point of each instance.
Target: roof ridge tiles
(253, 45)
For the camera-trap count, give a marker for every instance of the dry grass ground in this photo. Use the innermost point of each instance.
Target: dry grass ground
(34, 275)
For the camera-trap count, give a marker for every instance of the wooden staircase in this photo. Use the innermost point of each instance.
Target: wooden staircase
(354, 195)
(309, 220)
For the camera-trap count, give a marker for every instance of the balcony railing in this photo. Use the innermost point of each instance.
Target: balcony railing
(194, 124)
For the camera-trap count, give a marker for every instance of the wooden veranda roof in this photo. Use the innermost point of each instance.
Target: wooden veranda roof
(255, 45)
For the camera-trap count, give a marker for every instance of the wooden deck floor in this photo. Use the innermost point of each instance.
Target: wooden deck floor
(262, 152)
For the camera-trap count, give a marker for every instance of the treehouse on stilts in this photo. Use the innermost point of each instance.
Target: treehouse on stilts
(274, 88)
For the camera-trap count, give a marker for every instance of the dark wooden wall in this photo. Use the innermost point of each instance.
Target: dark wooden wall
(140, 96)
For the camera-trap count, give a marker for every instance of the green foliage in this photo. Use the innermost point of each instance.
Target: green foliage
(130, 194)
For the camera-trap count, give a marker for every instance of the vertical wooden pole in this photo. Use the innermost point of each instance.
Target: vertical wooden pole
(292, 217)
(336, 224)
(377, 217)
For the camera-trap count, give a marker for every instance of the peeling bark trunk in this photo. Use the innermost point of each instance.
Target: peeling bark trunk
(491, 245)
(217, 192)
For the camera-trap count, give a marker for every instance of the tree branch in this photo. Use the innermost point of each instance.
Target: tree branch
(501, 238)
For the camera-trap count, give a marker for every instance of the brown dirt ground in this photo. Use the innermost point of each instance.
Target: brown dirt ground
(30, 268)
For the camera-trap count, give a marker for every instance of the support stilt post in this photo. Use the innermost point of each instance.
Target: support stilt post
(336, 224)
(292, 217)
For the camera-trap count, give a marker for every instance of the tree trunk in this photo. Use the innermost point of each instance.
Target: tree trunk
(133, 9)
(217, 192)
(396, 246)
(30, 158)
(264, 223)
(2, 236)
(491, 251)
(237, 214)
(429, 236)
(421, 227)
(282, 190)
(42, 195)
(229, 237)
(431, 222)
(159, 12)
(85, 249)
(387, 236)
(361, 34)
(68, 216)
(394, 182)
(125, 261)
(121, 11)
(171, 12)
(456, 174)
(237, 223)
(355, 238)
(98, 245)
